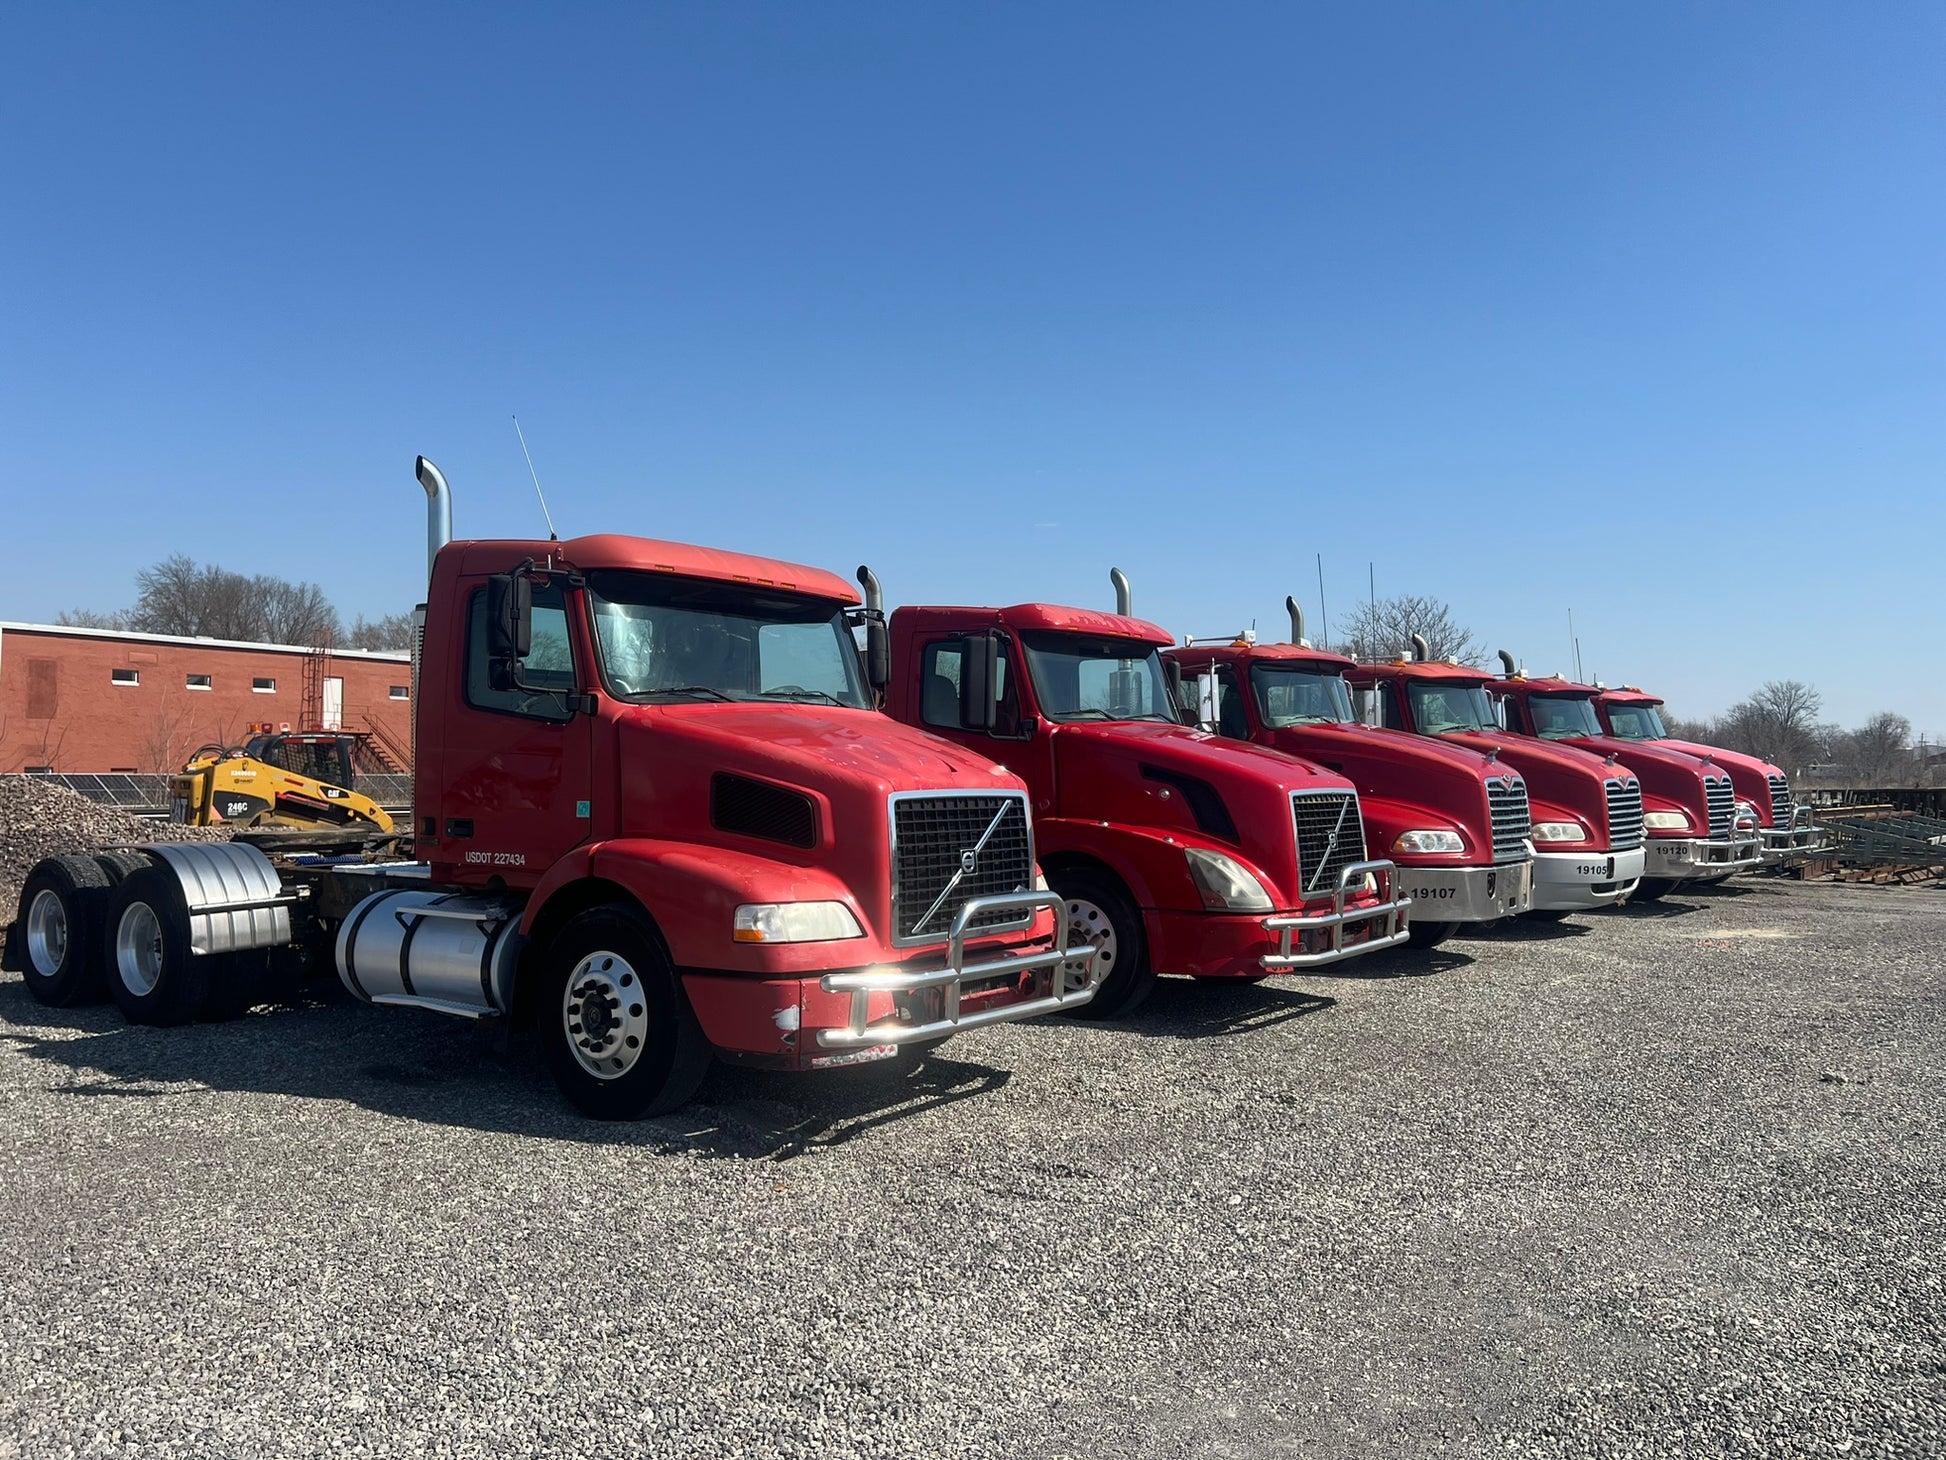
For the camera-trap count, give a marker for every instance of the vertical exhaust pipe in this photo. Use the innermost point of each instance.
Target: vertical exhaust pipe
(439, 509)
(1297, 622)
(1421, 650)
(877, 658)
(1507, 663)
(1124, 598)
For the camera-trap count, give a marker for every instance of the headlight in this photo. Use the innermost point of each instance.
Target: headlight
(1666, 821)
(1560, 831)
(1430, 841)
(794, 922)
(1225, 883)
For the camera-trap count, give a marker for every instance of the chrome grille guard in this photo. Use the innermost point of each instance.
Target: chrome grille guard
(1059, 964)
(1290, 926)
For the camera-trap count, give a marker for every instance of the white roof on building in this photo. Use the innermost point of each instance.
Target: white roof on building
(132, 636)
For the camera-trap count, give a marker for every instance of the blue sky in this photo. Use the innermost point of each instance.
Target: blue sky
(1636, 310)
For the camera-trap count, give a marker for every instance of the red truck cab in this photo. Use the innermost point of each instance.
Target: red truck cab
(1173, 849)
(661, 763)
(1784, 827)
(1454, 819)
(1587, 809)
(1694, 832)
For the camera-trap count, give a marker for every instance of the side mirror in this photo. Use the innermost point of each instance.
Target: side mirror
(979, 678)
(1209, 703)
(878, 654)
(510, 627)
(1370, 710)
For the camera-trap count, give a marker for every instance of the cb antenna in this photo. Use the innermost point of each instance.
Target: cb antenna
(552, 535)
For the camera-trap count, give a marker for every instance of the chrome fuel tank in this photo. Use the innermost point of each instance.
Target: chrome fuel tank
(449, 951)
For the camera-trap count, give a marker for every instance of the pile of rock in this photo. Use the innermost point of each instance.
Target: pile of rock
(39, 818)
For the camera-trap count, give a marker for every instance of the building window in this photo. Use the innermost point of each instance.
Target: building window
(263, 686)
(40, 770)
(124, 676)
(122, 770)
(196, 681)
(401, 692)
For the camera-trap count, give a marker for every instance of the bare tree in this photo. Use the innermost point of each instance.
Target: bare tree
(295, 613)
(393, 631)
(1384, 630)
(179, 596)
(88, 618)
(1881, 748)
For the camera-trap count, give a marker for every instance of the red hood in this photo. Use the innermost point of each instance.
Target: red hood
(1667, 774)
(1749, 775)
(1560, 778)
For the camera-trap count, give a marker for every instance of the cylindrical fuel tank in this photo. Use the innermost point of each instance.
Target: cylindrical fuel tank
(442, 948)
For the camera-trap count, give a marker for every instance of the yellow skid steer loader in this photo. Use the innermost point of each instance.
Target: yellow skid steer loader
(300, 781)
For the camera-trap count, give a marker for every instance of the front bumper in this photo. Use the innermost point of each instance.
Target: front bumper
(1468, 894)
(1052, 980)
(1694, 859)
(1384, 924)
(1798, 842)
(1576, 881)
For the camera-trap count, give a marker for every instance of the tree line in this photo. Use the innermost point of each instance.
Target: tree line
(201, 600)
(1782, 723)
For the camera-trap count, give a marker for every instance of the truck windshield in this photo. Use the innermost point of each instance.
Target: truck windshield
(1635, 722)
(1300, 696)
(1563, 717)
(1450, 709)
(1081, 678)
(665, 639)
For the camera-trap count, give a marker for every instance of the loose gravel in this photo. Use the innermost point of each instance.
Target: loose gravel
(41, 818)
(1659, 1182)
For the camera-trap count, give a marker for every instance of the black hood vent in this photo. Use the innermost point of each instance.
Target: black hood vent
(1205, 802)
(759, 809)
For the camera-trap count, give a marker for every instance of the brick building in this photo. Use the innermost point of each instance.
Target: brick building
(96, 700)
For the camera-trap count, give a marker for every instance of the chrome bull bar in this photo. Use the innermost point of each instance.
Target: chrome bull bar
(1070, 980)
(1802, 838)
(1289, 926)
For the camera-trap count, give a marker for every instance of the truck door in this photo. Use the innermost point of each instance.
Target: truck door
(1024, 752)
(518, 784)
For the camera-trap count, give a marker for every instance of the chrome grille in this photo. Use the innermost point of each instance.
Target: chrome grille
(1507, 805)
(1723, 806)
(1624, 814)
(933, 838)
(1330, 837)
(1782, 808)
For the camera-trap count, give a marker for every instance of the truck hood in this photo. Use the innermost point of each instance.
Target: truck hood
(849, 760)
(1560, 778)
(1749, 775)
(1189, 787)
(1669, 774)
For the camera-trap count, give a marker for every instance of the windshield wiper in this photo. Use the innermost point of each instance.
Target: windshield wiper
(807, 694)
(708, 692)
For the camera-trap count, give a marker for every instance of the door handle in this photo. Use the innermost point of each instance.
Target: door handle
(456, 826)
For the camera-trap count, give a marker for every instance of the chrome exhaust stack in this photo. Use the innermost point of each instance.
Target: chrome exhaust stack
(1421, 650)
(1124, 598)
(439, 509)
(1297, 622)
(1507, 663)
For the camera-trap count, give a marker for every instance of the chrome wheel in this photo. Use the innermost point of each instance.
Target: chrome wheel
(47, 932)
(138, 949)
(1091, 926)
(604, 1016)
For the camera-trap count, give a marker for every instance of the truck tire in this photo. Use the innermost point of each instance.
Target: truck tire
(62, 907)
(1652, 889)
(151, 974)
(1100, 913)
(1428, 935)
(622, 1041)
(117, 865)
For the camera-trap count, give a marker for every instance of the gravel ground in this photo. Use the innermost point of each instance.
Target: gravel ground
(40, 818)
(1667, 1181)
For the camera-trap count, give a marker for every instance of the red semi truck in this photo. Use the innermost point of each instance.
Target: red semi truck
(1784, 827)
(1173, 850)
(656, 811)
(1696, 833)
(1587, 809)
(1454, 818)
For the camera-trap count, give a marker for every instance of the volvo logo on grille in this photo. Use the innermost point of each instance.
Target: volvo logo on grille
(969, 859)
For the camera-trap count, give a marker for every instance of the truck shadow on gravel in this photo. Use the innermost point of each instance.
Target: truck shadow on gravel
(420, 1067)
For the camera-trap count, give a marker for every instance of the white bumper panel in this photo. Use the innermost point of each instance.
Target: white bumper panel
(1468, 894)
(1570, 881)
(1691, 859)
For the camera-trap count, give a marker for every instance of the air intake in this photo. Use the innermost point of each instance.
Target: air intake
(759, 809)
